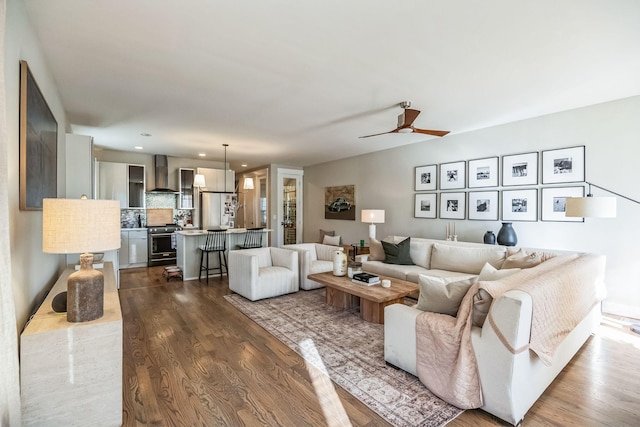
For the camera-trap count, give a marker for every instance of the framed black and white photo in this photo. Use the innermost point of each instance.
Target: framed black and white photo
(426, 177)
(520, 205)
(452, 205)
(483, 172)
(483, 205)
(452, 175)
(520, 169)
(554, 202)
(425, 205)
(563, 165)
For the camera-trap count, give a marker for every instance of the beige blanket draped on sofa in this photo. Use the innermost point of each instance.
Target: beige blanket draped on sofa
(446, 361)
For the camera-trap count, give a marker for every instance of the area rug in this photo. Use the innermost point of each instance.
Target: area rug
(352, 353)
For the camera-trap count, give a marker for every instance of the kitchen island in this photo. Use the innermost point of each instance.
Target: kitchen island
(188, 254)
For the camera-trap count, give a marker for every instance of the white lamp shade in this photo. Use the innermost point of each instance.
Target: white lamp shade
(591, 207)
(198, 181)
(248, 183)
(71, 226)
(373, 216)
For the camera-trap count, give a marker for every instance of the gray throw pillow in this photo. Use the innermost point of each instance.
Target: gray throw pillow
(397, 253)
(443, 294)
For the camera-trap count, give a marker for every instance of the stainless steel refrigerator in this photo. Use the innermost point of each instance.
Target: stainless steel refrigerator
(217, 209)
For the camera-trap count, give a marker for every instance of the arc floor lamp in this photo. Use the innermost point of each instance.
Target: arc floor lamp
(597, 207)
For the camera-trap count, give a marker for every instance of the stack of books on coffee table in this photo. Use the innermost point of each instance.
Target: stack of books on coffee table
(366, 279)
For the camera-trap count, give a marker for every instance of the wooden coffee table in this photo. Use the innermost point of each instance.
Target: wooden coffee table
(341, 292)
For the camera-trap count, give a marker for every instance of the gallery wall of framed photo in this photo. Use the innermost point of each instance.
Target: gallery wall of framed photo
(529, 186)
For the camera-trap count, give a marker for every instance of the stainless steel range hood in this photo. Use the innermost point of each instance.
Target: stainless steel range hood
(162, 175)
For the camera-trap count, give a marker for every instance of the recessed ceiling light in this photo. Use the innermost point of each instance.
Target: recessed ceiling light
(244, 165)
(201, 154)
(137, 147)
(145, 134)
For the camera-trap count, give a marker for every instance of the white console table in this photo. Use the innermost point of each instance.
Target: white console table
(71, 373)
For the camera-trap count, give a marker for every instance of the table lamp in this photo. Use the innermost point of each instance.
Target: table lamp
(373, 217)
(71, 226)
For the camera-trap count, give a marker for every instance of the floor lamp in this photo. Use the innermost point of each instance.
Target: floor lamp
(596, 207)
(373, 217)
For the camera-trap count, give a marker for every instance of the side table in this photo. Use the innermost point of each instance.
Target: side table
(358, 250)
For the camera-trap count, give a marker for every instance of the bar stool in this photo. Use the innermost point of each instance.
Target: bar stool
(252, 239)
(216, 241)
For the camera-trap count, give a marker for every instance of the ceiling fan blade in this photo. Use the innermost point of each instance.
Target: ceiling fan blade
(409, 117)
(431, 132)
(377, 134)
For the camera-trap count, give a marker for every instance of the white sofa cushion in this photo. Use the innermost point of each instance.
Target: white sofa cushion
(465, 259)
(443, 295)
(331, 240)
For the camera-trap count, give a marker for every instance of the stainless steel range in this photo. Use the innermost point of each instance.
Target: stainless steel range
(162, 244)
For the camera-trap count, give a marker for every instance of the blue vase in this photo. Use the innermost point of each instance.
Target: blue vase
(507, 235)
(489, 238)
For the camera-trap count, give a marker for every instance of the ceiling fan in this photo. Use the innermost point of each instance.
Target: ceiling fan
(405, 123)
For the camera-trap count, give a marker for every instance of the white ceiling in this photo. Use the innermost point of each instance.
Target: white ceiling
(296, 82)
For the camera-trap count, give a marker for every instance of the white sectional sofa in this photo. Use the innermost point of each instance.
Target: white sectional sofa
(313, 258)
(511, 381)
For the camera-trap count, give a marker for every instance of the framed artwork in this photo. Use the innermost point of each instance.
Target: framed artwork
(339, 202)
(483, 205)
(563, 165)
(452, 205)
(554, 201)
(425, 205)
(483, 172)
(38, 145)
(520, 169)
(426, 177)
(452, 175)
(520, 205)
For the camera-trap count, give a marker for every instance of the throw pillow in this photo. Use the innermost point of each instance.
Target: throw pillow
(443, 294)
(376, 252)
(489, 272)
(482, 299)
(325, 233)
(522, 259)
(397, 253)
(481, 304)
(331, 240)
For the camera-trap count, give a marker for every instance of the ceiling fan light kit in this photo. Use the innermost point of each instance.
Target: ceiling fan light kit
(405, 123)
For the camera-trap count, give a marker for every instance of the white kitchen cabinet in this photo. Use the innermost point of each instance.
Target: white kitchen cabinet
(79, 166)
(134, 248)
(123, 182)
(113, 182)
(123, 256)
(214, 179)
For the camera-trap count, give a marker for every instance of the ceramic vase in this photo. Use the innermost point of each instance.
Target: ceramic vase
(489, 238)
(507, 235)
(339, 263)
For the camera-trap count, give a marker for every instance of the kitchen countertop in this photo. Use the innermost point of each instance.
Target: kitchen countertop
(197, 232)
(133, 228)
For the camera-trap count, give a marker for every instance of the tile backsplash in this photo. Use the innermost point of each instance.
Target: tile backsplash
(129, 217)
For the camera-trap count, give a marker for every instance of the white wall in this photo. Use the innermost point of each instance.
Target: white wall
(33, 272)
(141, 158)
(610, 132)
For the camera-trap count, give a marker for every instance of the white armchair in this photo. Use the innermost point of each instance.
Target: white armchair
(313, 258)
(263, 272)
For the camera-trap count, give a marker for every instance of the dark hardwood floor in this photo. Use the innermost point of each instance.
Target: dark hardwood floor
(192, 359)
